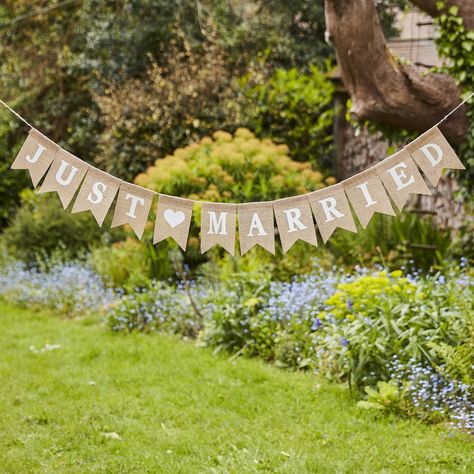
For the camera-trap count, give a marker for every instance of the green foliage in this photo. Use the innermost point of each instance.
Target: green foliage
(131, 264)
(41, 226)
(456, 44)
(387, 315)
(386, 397)
(409, 239)
(293, 108)
(230, 168)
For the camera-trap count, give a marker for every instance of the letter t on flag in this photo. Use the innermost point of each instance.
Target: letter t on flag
(218, 226)
(133, 206)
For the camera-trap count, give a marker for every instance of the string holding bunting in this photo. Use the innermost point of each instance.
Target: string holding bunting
(369, 192)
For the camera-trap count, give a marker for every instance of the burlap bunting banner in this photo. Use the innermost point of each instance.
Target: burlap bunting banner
(133, 206)
(432, 153)
(400, 176)
(36, 155)
(367, 196)
(371, 191)
(96, 194)
(218, 226)
(331, 210)
(294, 221)
(173, 218)
(64, 176)
(256, 226)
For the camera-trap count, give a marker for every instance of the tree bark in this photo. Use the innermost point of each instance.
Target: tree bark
(383, 90)
(466, 9)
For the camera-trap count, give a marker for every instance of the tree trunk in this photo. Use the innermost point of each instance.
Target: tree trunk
(466, 9)
(383, 90)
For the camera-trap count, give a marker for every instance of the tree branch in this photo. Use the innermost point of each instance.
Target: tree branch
(381, 89)
(466, 9)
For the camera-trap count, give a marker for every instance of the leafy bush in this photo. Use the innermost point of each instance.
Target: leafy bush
(294, 108)
(407, 240)
(71, 289)
(41, 226)
(384, 315)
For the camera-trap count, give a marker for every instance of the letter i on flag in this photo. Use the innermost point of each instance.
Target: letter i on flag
(218, 226)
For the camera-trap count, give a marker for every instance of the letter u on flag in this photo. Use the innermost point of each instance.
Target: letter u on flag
(36, 156)
(256, 226)
(218, 226)
(432, 153)
(133, 206)
(64, 176)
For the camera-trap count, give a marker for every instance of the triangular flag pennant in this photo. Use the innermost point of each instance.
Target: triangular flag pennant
(36, 156)
(331, 210)
(96, 194)
(432, 153)
(173, 219)
(64, 176)
(218, 226)
(294, 221)
(256, 226)
(133, 206)
(367, 196)
(400, 176)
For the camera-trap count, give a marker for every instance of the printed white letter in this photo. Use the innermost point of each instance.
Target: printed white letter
(98, 189)
(256, 223)
(59, 175)
(397, 177)
(329, 208)
(36, 156)
(133, 204)
(215, 224)
(365, 192)
(293, 217)
(426, 150)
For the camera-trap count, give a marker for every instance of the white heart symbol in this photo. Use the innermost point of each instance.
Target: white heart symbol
(173, 218)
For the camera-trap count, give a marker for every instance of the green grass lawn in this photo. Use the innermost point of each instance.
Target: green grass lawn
(116, 403)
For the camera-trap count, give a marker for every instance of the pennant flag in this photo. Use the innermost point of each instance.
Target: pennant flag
(36, 156)
(218, 226)
(256, 226)
(96, 194)
(432, 153)
(173, 219)
(367, 196)
(64, 176)
(400, 176)
(294, 221)
(331, 210)
(133, 206)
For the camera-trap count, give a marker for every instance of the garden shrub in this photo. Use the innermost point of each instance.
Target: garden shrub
(41, 226)
(294, 108)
